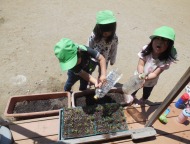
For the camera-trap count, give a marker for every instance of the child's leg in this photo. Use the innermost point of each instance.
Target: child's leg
(134, 96)
(134, 93)
(146, 92)
(72, 78)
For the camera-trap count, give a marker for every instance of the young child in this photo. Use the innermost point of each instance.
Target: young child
(155, 58)
(76, 59)
(103, 38)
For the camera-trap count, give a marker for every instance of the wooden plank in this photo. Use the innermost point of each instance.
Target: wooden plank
(46, 129)
(33, 120)
(38, 127)
(39, 140)
(34, 129)
(142, 114)
(161, 139)
(171, 127)
(137, 133)
(172, 132)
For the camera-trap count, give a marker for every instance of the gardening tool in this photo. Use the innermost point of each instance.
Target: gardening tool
(163, 118)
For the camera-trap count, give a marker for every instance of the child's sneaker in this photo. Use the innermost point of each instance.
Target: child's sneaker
(128, 100)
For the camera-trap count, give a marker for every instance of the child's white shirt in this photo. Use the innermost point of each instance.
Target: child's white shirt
(150, 65)
(108, 50)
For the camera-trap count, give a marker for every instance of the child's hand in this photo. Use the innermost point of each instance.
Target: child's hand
(143, 83)
(96, 85)
(102, 79)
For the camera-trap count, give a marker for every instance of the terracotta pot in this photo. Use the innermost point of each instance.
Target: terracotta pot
(90, 92)
(13, 100)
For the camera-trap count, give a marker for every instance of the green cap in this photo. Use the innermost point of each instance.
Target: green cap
(165, 32)
(105, 17)
(66, 51)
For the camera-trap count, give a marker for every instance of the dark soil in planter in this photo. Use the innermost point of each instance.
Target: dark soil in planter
(92, 120)
(40, 105)
(90, 100)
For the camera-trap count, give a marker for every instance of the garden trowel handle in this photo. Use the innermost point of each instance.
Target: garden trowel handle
(167, 112)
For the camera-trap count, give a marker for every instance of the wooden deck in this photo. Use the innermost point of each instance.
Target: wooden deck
(45, 130)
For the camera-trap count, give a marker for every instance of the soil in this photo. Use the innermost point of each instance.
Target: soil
(40, 105)
(92, 120)
(90, 100)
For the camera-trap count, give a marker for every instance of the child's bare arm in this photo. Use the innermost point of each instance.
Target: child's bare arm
(154, 74)
(102, 62)
(140, 69)
(140, 66)
(88, 77)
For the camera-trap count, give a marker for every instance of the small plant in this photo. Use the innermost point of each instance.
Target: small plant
(99, 108)
(85, 124)
(91, 118)
(87, 131)
(78, 122)
(77, 110)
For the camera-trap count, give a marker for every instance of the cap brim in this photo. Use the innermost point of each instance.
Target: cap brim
(153, 36)
(108, 21)
(68, 65)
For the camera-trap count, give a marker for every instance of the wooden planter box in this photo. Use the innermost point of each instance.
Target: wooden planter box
(9, 110)
(91, 93)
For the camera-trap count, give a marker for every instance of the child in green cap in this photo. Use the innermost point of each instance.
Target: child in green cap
(103, 38)
(154, 58)
(77, 60)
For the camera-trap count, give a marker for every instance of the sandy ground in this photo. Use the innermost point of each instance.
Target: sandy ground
(30, 29)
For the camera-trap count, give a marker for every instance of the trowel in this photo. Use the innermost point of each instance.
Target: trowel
(163, 118)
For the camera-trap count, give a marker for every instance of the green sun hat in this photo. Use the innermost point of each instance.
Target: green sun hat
(105, 17)
(66, 52)
(165, 32)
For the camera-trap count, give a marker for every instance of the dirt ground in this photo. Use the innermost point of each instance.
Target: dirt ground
(30, 29)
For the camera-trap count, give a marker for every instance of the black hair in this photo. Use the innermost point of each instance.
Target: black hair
(166, 55)
(100, 28)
